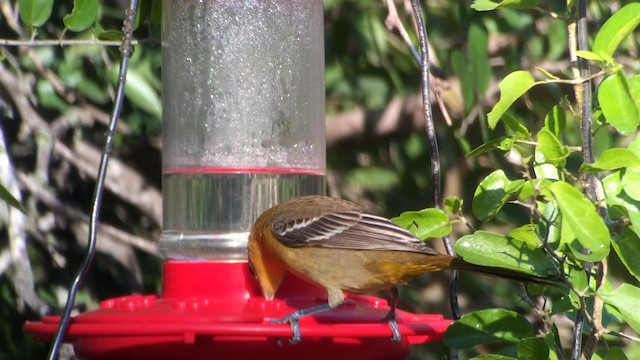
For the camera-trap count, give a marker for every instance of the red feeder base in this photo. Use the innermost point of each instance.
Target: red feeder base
(215, 309)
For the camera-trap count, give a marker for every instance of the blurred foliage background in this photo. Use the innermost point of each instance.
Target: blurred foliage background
(55, 103)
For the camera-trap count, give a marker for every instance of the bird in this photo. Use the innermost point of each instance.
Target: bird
(335, 244)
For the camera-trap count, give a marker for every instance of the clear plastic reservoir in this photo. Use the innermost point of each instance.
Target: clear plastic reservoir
(243, 121)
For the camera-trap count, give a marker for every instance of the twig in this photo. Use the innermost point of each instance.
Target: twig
(126, 50)
(393, 22)
(51, 200)
(123, 181)
(21, 275)
(71, 42)
(596, 322)
(623, 335)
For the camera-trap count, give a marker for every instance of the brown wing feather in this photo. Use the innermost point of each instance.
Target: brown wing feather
(348, 230)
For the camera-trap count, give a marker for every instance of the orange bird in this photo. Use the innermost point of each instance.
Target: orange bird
(335, 244)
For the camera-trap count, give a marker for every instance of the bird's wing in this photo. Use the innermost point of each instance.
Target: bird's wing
(347, 230)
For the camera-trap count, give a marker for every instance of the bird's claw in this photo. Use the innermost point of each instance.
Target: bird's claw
(295, 329)
(397, 337)
(393, 325)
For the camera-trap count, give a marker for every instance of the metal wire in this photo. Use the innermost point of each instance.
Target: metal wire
(126, 50)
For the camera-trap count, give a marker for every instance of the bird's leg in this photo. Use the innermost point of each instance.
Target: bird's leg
(293, 318)
(390, 318)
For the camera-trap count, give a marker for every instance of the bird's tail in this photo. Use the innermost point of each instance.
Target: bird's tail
(458, 264)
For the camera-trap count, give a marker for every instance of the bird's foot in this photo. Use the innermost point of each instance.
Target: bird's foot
(292, 319)
(393, 325)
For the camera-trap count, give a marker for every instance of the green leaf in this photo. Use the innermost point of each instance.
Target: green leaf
(532, 349)
(552, 339)
(617, 28)
(527, 234)
(625, 299)
(461, 68)
(589, 55)
(627, 246)
(532, 188)
(478, 56)
(556, 121)
(156, 12)
(9, 199)
(580, 216)
(488, 146)
(487, 5)
(35, 12)
(617, 104)
(612, 353)
(616, 196)
(139, 91)
(84, 14)
(492, 193)
(496, 250)
(511, 87)
(634, 89)
(551, 148)
(631, 182)
(110, 35)
(492, 357)
(373, 178)
(425, 224)
(516, 126)
(557, 36)
(453, 204)
(612, 159)
(487, 327)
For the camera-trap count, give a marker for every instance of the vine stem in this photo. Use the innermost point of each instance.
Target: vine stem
(433, 147)
(578, 41)
(126, 49)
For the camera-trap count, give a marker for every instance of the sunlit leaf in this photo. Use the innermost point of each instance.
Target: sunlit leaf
(497, 250)
(555, 121)
(492, 194)
(613, 159)
(617, 28)
(625, 299)
(617, 104)
(580, 216)
(627, 246)
(425, 224)
(550, 146)
(589, 55)
(631, 182)
(511, 87)
(453, 204)
(487, 5)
